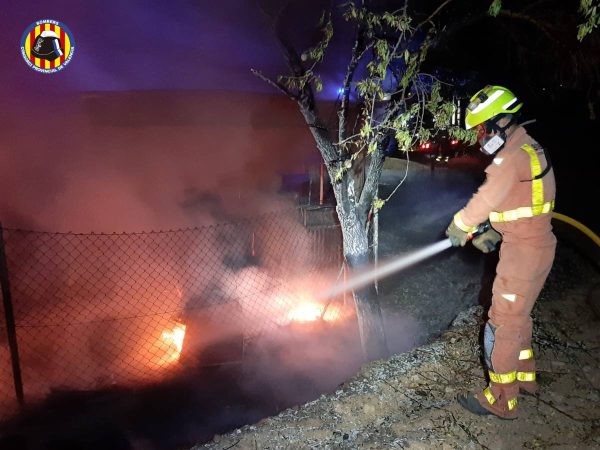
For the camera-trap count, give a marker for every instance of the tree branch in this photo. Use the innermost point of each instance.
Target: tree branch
(321, 135)
(457, 25)
(289, 52)
(280, 87)
(373, 172)
(434, 13)
(343, 112)
(536, 23)
(533, 5)
(305, 96)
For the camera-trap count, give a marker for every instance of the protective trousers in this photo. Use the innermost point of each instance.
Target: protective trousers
(520, 276)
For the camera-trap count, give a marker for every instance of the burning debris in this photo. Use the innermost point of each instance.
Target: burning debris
(306, 312)
(97, 310)
(171, 342)
(312, 310)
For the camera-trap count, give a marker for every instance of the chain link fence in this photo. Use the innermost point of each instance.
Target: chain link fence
(86, 311)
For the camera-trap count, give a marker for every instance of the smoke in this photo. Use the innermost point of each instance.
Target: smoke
(306, 360)
(237, 297)
(131, 162)
(287, 361)
(150, 161)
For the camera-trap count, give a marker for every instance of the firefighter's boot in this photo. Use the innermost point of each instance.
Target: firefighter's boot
(497, 400)
(501, 348)
(500, 399)
(471, 404)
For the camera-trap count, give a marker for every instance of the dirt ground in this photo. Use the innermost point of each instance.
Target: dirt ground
(408, 401)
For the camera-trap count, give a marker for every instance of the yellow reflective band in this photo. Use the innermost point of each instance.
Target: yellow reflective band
(487, 392)
(525, 354)
(521, 213)
(460, 224)
(503, 378)
(512, 404)
(526, 376)
(538, 206)
(537, 186)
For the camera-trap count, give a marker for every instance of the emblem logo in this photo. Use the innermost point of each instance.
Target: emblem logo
(47, 46)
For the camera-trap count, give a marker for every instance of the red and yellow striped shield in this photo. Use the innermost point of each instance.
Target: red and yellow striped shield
(59, 36)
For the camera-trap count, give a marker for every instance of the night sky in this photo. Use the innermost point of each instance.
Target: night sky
(138, 45)
(143, 45)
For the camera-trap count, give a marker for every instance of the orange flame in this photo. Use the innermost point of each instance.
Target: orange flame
(311, 311)
(306, 312)
(172, 342)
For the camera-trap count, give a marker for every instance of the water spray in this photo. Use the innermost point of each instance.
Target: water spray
(388, 268)
(366, 277)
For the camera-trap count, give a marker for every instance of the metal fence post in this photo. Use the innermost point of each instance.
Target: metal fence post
(10, 322)
(321, 187)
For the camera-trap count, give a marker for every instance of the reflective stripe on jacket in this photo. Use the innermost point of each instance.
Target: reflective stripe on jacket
(538, 206)
(516, 203)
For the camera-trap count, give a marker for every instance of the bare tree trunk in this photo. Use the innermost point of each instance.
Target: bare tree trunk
(375, 239)
(352, 209)
(368, 311)
(370, 324)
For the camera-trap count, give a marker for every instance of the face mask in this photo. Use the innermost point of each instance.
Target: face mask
(491, 137)
(491, 145)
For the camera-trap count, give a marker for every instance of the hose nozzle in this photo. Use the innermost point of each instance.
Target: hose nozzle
(481, 228)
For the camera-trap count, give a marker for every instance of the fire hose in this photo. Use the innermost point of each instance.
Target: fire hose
(365, 277)
(579, 226)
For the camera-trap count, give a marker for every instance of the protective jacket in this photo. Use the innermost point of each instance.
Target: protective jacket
(517, 197)
(517, 204)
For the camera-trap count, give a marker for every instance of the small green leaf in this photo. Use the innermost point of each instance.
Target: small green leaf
(404, 23)
(404, 140)
(318, 84)
(366, 130)
(372, 147)
(495, 8)
(589, 11)
(378, 203)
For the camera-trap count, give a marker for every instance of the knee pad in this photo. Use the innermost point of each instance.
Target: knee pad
(489, 340)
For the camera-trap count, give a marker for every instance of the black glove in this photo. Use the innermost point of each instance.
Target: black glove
(457, 236)
(488, 241)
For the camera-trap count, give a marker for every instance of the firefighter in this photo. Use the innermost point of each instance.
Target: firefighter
(517, 199)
